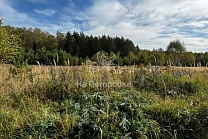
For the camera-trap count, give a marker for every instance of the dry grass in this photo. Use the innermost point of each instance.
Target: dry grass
(47, 102)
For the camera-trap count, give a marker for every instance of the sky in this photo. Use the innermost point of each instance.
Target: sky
(148, 23)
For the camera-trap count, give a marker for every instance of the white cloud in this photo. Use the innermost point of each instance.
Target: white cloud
(151, 23)
(16, 18)
(48, 12)
(199, 24)
(106, 13)
(148, 23)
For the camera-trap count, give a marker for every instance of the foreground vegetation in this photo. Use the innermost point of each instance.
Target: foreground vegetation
(132, 102)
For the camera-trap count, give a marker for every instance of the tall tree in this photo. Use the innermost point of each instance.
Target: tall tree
(60, 40)
(174, 51)
(50, 42)
(68, 43)
(130, 57)
(8, 45)
(176, 47)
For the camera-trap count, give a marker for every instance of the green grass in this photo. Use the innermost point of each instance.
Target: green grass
(51, 105)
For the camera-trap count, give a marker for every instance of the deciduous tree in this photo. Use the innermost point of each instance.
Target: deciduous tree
(8, 45)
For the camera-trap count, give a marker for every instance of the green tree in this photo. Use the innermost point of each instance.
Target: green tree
(130, 57)
(75, 61)
(60, 40)
(141, 59)
(188, 59)
(160, 59)
(176, 47)
(63, 57)
(50, 42)
(69, 43)
(174, 51)
(8, 45)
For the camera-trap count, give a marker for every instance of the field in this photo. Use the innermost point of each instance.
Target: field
(103, 102)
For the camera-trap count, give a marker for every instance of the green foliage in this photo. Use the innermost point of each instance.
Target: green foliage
(181, 117)
(175, 83)
(176, 47)
(63, 58)
(51, 106)
(45, 125)
(8, 46)
(21, 69)
(42, 46)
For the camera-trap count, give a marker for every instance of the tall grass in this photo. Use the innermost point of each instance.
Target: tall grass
(54, 102)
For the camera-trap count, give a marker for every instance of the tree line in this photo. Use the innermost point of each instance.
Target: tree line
(75, 48)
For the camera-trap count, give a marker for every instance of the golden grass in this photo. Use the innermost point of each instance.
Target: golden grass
(25, 101)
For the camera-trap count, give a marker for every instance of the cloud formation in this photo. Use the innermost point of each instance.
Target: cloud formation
(152, 24)
(148, 23)
(48, 12)
(16, 18)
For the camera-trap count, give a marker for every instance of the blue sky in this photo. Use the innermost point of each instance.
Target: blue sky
(148, 23)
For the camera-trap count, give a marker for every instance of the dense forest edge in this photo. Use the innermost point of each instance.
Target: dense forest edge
(35, 45)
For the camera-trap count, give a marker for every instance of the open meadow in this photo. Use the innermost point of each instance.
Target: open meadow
(103, 102)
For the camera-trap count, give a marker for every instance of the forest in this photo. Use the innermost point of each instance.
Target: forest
(76, 47)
